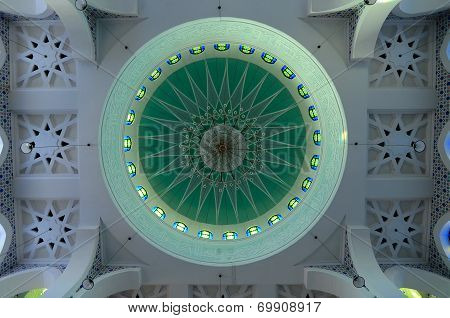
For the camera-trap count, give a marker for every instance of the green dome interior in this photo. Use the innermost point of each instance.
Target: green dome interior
(233, 93)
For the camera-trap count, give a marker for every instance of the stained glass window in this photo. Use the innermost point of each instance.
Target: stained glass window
(246, 49)
(274, 219)
(174, 59)
(317, 137)
(142, 192)
(180, 226)
(287, 72)
(127, 143)
(303, 92)
(197, 50)
(307, 184)
(293, 203)
(229, 235)
(315, 162)
(313, 113)
(253, 230)
(140, 93)
(222, 46)
(268, 58)
(155, 74)
(159, 212)
(130, 117)
(131, 169)
(205, 234)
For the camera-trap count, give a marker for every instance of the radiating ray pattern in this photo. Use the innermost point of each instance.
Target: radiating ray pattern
(220, 141)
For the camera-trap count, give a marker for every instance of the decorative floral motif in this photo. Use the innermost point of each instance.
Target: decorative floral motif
(402, 55)
(398, 228)
(42, 56)
(391, 143)
(48, 228)
(54, 136)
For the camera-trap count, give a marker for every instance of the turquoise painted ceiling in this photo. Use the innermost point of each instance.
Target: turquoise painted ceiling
(244, 98)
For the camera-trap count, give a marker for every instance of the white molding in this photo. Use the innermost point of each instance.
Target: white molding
(366, 265)
(424, 281)
(113, 283)
(333, 283)
(23, 281)
(81, 260)
(368, 28)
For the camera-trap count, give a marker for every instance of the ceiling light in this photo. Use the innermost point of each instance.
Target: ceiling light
(359, 282)
(88, 284)
(419, 146)
(81, 5)
(27, 147)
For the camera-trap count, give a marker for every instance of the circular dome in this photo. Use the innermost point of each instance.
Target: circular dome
(225, 146)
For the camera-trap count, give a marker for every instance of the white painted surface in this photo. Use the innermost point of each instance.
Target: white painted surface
(365, 264)
(23, 281)
(333, 283)
(27, 8)
(368, 27)
(81, 260)
(412, 8)
(112, 283)
(423, 281)
(77, 26)
(317, 7)
(129, 7)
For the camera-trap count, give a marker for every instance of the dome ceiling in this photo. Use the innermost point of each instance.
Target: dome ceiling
(223, 147)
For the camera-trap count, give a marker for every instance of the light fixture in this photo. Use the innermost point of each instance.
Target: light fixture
(27, 147)
(370, 2)
(359, 282)
(419, 146)
(81, 5)
(88, 283)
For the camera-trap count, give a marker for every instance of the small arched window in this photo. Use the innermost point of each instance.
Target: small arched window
(253, 230)
(246, 49)
(293, 203)
(268, 58)
(287, 72)
(229, 235)
(159, 212)
(180, 226)
(204, 234)
(274, 219)
(174, 59)
(127, 143)
(155, 74)
(130, 117)
(140, 93)
(222, 46)
(142, 192)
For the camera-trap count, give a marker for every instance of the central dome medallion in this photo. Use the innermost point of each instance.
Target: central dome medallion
(230, 146)
(223, 148)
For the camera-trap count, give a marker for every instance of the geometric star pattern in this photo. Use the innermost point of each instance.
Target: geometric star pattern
(48, 229)
(391, 141)
(398, 228)
(402, 56)
(42, 56)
